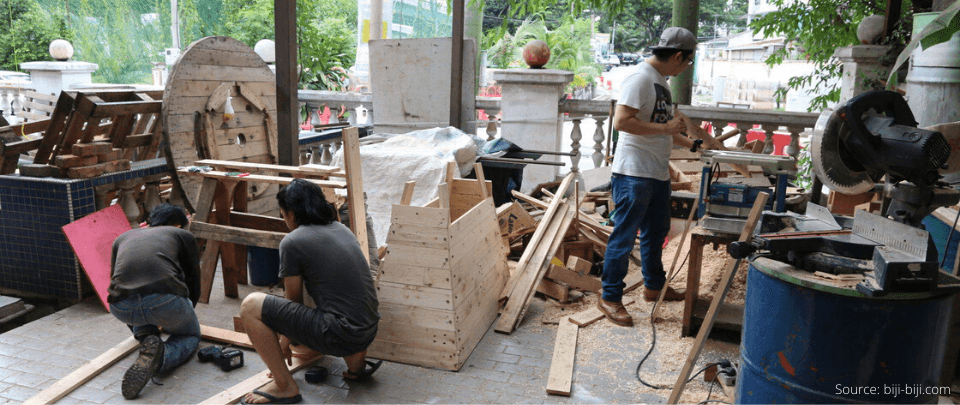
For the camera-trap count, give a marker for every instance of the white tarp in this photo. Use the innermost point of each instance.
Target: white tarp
(419, 156)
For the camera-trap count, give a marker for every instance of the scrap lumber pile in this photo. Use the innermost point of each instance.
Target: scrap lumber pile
(117, 126)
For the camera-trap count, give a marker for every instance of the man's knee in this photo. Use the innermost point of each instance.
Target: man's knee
(252, 305)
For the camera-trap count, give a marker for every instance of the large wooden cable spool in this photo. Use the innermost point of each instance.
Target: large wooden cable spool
(193, 112)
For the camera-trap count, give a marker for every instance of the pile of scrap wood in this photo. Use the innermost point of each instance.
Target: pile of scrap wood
(560, 241)
(123, 125)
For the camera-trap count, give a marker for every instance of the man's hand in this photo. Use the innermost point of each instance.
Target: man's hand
(285, 350)
(676, 125)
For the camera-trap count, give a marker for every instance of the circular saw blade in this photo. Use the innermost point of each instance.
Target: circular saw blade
(832, 162)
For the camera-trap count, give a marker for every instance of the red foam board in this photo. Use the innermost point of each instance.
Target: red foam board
(91, 238)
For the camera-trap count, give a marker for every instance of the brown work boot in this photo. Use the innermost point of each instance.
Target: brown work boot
(671, 295)
(615, 312)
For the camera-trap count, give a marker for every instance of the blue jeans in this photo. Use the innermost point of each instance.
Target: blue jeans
(641, 203)
(147, 313)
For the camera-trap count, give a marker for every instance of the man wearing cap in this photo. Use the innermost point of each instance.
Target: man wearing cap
(641, 174)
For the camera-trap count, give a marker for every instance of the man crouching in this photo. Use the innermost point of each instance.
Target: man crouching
(322, 256)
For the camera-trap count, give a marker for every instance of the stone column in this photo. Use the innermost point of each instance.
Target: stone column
(861, 69)
(52, 77)
(530, 107)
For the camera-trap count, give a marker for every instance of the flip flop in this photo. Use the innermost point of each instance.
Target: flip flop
(296, 399)
(367, 372)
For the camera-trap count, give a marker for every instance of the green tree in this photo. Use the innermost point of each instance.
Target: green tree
(26, 31)
(569, 47)
(816, 30)
(325, 35)
(123, 42)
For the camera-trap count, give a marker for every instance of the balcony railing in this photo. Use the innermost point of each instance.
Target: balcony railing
(12, 100)
(591, 119)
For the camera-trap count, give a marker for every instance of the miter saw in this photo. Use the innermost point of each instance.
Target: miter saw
(853, 148)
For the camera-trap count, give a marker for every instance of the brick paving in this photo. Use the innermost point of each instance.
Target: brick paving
(503, 368)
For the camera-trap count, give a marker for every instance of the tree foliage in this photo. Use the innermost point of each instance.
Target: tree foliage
(816, 30)
(569, 47)
(26, 31)
(123, 41)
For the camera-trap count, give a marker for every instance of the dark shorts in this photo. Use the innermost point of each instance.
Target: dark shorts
(310, 327)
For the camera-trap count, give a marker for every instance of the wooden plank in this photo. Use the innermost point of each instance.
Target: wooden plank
(573, 279)
(407, 193)
(529, 277)
(481, 181)
(415, 275)
(416, 316)
(408, 354)
(358, 209)
(235, 235)
(589, 316)
(434, 339)
(85, 373)
(730, 269)
(233, 394)
(418, 236)
(214, 174)
(560, 379)
(257, 221)
(427, 297)
(554, 290)
(225, 336)
(420, 216)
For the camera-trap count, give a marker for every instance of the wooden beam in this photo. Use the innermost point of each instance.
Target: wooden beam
(85, 373)
(225, 336)
(560, 379)
(407, 193)
(456, 65)
(309, 169)
(481, 180)
(235, 235)
(358, 206)
(288, 134)
(265, 179)
(233, 394)
(730, 269)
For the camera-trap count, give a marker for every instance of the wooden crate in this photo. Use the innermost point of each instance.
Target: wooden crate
(440, 280)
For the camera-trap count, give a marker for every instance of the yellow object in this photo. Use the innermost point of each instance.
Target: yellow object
(228, 108)
(556, 261)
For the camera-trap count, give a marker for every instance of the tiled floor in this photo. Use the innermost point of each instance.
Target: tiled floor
(503, 368)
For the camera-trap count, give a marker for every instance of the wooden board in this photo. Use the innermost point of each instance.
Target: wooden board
(85, 373)
(560, 379)
(225, 336)
(233, 394)
(91, 238)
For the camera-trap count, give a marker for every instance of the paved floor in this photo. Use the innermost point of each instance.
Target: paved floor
(503, 368)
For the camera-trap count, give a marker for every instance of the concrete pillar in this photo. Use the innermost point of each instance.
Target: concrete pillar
(52, 77)
(531, 116)
(861, 69)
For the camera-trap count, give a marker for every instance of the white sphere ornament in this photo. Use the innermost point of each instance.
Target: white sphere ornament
(61, 50)
(266, 49)
(870, 30)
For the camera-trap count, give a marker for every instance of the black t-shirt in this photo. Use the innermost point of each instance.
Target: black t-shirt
(335, 274)
(155, 260)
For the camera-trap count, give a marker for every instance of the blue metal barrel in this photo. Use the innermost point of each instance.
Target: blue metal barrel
(811, 340)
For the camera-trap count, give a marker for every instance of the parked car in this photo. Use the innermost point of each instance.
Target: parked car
(11, 78)
(608, 61)
(629, 59)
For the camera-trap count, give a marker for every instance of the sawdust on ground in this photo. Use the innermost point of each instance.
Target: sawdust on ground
(671, 350)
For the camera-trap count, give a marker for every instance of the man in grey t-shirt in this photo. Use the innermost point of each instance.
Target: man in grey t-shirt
(319, 255)
(641, 173)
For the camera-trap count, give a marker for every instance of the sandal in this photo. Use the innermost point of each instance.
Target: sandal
(296, 399)
(366, 372)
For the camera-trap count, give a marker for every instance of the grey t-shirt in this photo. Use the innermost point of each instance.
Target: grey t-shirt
(645, 155)
(154, 260)
(335, 274)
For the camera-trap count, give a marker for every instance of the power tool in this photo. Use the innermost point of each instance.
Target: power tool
(226, 358)
(724, 203)
(871, 136)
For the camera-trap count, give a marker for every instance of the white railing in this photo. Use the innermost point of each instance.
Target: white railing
(590, 121)
(12, 99)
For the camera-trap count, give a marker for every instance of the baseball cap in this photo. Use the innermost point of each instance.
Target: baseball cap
(677, 38)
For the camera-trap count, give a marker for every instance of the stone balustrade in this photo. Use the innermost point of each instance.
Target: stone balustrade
(577, 111)
(12, 99)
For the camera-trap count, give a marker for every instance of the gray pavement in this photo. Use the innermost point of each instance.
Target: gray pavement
(503, 368)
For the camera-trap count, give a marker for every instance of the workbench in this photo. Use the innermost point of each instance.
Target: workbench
(729, 316)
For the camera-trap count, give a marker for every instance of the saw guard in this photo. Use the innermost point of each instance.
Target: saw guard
(827, 160)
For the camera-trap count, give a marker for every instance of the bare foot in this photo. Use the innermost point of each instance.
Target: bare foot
(271, 388)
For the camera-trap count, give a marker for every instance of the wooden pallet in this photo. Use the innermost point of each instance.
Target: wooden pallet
(440, 280)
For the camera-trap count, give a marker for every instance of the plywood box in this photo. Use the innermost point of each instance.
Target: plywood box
(439, 281)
